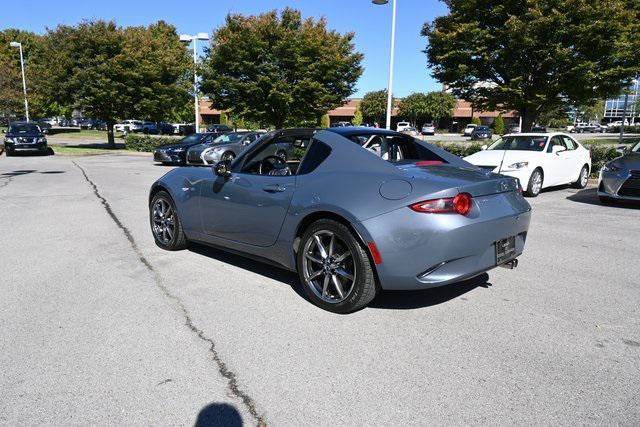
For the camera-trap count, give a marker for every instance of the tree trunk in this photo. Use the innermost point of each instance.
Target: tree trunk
(111, 141)
(527, 120)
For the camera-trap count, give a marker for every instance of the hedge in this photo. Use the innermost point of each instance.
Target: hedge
(599, 154)
(146, 143)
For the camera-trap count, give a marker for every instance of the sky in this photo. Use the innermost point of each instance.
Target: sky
(370, 23)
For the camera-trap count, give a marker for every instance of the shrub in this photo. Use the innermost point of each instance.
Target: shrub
(498, 125)
(325, 121)
(460, 150)
(601, 154)
(476, 121)
(146, 143)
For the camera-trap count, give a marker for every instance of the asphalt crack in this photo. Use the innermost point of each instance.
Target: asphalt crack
(229, 375)
(7, 179)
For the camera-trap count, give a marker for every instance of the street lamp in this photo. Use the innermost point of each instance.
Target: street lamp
(24, 80)
(393, 42)
(186, 38)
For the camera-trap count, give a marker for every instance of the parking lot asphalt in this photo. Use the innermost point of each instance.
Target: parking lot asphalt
(99, 326)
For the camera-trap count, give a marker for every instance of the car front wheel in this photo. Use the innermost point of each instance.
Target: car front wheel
(334, 268)
(165, 223)
(535, 184)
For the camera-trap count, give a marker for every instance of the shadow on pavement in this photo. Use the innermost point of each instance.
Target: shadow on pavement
(404, 300)
(590, 197)
(218, 414)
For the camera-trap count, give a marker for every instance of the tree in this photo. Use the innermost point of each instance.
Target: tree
(113, 73)
(325, 121)
(441, 105)
(279, 69)
(357, 117)
(476, 121)
(415, 106)
(374, 105)
(534, 56)
(498, 125)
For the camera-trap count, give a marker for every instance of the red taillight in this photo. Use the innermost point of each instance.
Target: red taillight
(460, 204)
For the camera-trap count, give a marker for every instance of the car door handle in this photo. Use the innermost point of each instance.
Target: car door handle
(274, 188)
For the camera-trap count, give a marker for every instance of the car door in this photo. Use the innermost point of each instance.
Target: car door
(247, 207)
(554, 164)
(573, 157)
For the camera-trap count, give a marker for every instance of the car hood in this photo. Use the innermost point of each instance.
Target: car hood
(445, 180)
(495, 157)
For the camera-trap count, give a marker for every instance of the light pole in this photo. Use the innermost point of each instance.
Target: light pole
(24, 80)
(393, 43)
(186, 38)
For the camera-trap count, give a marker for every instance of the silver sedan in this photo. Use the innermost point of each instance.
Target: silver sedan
(620, 178)
(225, 147)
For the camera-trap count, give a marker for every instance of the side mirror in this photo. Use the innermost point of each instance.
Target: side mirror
(222, 168)
(484, 147)
(556, 149)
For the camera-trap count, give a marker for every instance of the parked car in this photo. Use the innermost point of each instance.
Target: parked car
(514, 129)
(481, 132)
(410, 130)
(150, 128)
(219, 129)
(44, 124)
(224, 147)
(183, 128)
(538, 160)
(176, 153)
(349, 222)
(620, 178)
(128, 126)
(468, 129)
(539, 129)
(341, 124)
(165, 128)
(428, 129)
(586, 128)
(24, 137)
(402, 125)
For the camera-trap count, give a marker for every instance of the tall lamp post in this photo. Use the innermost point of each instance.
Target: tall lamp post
(24, 80)
(186, 38)
(393, 43)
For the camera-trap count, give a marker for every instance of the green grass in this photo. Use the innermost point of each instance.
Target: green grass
(70, 150)
(98, 135)
(609, 141)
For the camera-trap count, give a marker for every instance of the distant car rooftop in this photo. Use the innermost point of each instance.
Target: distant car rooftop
(355, 130)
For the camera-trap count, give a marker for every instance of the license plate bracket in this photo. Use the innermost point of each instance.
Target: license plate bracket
(505, 249)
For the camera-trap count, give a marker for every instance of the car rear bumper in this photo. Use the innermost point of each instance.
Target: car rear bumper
(422, 251)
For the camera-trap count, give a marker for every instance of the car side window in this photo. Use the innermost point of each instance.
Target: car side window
(555, 141)
(280, 157)
(569, 143)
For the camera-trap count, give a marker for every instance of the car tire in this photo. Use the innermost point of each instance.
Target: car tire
(583, 178)
(9, 153)
(358, 291)
(175, 239)
(534, 186)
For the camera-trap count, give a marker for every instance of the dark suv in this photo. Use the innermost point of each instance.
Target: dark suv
(24, 136)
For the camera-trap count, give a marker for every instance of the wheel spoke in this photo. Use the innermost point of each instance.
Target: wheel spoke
(316, 274)
(325, 285)
(337, 285)
(341, 258)
(312, 258)
(332, 244)
(344, 273)
(321, 248)
(169, 232)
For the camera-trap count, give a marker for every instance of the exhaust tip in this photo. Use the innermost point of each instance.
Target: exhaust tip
(510, 264)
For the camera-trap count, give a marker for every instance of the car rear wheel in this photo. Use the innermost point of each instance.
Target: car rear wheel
(334, 268)
(535, 183)
(165, 223)
(583, 178)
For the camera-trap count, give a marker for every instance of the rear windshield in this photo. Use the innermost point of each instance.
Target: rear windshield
(23, 128)
(395, 148)
(521, 143)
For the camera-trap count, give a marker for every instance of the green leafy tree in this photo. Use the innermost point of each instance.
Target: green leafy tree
(498, 125)
(441, 105)
(415, 107)
(113, 73)
(357, 117)
(279, 69)
(534, 56)
(476, 121)
(374, 105)
(325, 121)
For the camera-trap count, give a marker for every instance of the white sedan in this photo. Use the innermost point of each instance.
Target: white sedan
(538, 160)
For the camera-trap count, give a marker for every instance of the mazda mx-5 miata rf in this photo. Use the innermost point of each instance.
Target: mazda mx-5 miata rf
(352, 210)
(620, 178)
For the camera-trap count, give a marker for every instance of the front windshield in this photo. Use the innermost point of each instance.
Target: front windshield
(228, 138)
(23, 128)
(194, 137)
(520, 143)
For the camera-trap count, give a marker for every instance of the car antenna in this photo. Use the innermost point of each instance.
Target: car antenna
(504, 153)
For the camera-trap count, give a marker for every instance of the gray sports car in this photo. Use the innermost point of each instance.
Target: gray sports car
(620, 178)
(399, 214)
(225, 147)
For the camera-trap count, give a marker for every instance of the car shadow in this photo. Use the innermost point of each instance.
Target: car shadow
(405, 300)
(392, 300)
(590, 197)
